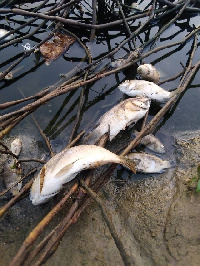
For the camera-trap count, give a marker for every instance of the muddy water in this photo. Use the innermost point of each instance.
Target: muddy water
(157, 218)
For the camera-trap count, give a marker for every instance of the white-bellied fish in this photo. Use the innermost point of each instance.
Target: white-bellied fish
(64, 166)
(147, 163)
(151, 142)
(12, 171)
(119, 117)
(145, 88)
(148, 72)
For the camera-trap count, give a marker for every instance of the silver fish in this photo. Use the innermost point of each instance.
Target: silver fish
(12, 171)
(146, 163)
(64, 166)
(119, 117)
(151, 142)
(145, 88)
(148, 72)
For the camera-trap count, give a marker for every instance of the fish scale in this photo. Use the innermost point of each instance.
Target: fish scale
(68, 164)
(145, 88)
(119, 117)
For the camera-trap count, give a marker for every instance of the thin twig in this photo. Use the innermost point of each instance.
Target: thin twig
(28, 174)
(107, 217)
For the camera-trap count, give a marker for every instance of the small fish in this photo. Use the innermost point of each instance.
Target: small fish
(148, 72)
(64, 166)
(119, 117)
(4, 32)
(149, 89)
(12, 171)
(151, 142)
(16, 146)
(146, 163)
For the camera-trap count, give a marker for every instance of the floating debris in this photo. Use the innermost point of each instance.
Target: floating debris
(146, 163)
(148, 72)
(119, 117)
(64, 166)
(53, 48)
(149, 89)
(8, 76)
(151, 142)
(12, 171)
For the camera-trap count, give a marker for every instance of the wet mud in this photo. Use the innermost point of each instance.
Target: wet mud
(157, 219)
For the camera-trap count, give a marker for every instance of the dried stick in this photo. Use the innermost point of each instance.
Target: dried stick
(29, 241)
(169, 3)
(167, 25)
(31, 160)
(57, 234)
(36, 96)
(74, 141)
(108, 219)
(124, 18)
(16, 198)
(94, 19)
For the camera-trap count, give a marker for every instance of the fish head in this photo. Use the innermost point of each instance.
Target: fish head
(142, 102)
(36, 196)
(125, 87)
(142, 70)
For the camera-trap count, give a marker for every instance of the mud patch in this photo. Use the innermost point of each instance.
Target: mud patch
(157, 219)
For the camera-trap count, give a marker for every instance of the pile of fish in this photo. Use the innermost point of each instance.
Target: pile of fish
(145, 87)
(64, 166)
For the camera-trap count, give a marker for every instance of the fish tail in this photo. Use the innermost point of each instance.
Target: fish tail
(168, 164)
(129, 163)
(173, 93)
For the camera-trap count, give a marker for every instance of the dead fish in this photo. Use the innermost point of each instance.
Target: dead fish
(12, 171)
(64, 166)
(148, 72)
(16, 146)
(3, 33)
(119, 117)
(146, 163)
(151, 142)
(149, 89)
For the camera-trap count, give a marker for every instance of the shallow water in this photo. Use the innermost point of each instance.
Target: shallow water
(57, 117)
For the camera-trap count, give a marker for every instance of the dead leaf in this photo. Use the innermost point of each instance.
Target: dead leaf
(53, 48)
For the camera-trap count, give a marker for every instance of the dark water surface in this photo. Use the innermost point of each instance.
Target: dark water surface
(57, 117)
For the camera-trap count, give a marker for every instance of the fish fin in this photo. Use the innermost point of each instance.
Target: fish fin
(172, 93)
(129, 163)
(64, 170)
(42, 175)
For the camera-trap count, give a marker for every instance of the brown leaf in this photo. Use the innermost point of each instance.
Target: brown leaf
(53, 48)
